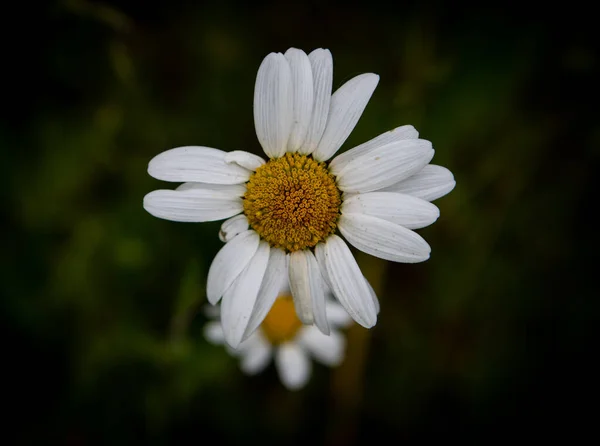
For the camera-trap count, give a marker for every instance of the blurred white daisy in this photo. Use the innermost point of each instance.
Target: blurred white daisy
(289, 208)
(283, 337)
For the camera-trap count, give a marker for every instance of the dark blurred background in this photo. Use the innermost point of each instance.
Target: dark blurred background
(101, 303)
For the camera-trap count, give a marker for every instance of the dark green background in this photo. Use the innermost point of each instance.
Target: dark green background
(101, 303)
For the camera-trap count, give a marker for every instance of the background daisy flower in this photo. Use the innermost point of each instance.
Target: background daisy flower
(290, 208)
(285, 339)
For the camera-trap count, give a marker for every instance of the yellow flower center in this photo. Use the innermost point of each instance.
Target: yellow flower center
(281, 323)
(292, 202)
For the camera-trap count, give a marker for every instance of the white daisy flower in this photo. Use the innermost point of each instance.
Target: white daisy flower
(289, 208)
(283, 337)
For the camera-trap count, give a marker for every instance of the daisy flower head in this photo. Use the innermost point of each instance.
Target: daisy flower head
(295, 207)
(284, 338)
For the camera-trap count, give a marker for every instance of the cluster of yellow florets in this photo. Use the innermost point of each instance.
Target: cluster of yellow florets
(292, 202)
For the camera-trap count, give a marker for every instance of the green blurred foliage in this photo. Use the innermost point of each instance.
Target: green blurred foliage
(102, 302)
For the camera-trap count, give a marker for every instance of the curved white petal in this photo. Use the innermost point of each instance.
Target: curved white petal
(292, 365)
(374, 296)
(285, 284)
(322, 71)
(320, 256)
(318, 288)
(213, 332)
(347, 282)
(229, 262)
(196, 163)
(397, 134)
(232, 227)
(302, 92)
(337, 316)
(256, 357)
(232, 190)
(383, 239)
(347, 105)
(328, 350)
(275, 276)
(307, 289)
(273, 104)
(298, 280)
(385, 165)
(240, 298)
(402, 209)
(430, 183)
(192, 205)
(247, 160)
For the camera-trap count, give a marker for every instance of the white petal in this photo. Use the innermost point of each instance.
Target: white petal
(431, 183)
(247, 160)
(299, 271)
(336, 315)
(213, 332)
(347, 105)
(293, 365)
(249, 343)
(273, 104)
(256, 357)
(320, 256)
(322, 72)
(230, 190)
(229, 262)
(307, 289)
(328, 350)
(404, 210)
(374, 296)
(196, 163)
(232, 227)
(398, 134)
(302, 81)
(193, 205)
(347, 282)
(383, 239)
(240, 298)
(318, 287)
(285, 284)
(385, 165)
(275, 277)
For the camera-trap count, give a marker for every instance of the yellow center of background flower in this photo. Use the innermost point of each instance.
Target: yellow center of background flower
(281, 323)
(292, 202)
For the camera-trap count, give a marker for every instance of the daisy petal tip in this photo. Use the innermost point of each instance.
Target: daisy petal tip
(147, 200)
(232, 333)
(294, 51)
(370, 323)
(451, 185)
(271, 56)
(152, 203)
(323, 329)
(232, 339)
(247, 334)
(370, 81)
(421, 258)
(212, 297)
(367, 319)
(153, 167)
